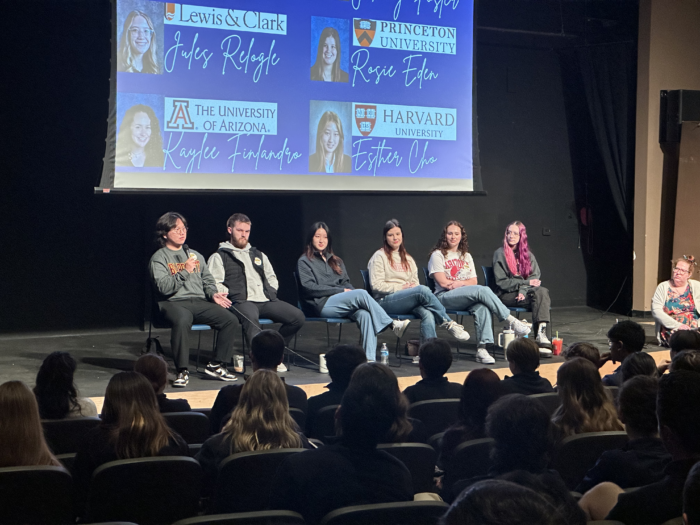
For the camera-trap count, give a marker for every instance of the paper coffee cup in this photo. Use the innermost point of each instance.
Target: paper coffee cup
(238, 364)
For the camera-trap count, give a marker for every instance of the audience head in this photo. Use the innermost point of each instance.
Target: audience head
(678, 412)
(626, 337)
(523, 434)
(373, 408)
(481, 388)
(498, 502)
(585, 404)
(523, 355)
(639, 364)
(435, 358)
(342, 362)
(691, 497)
(267, 349)
(154, 368)
(585, 350)
(684, 340)
(54, 390)
(686, 360)
(636, 405)
(21, 434)
(131, 412)
(261, 419)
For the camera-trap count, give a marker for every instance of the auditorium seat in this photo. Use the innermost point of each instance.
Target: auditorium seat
(192, 426)
(435, 441)
(435, 414)
(265, 517)
(67, 460)
(64, 435)
(36, 495)
(299, 417)
(550, 400)
(324, 423)
(147, 491)
(404, 513)
(419, 459)
(469, 459)
(245, 480)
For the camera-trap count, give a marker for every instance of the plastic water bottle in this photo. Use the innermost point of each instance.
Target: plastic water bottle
(384, 354)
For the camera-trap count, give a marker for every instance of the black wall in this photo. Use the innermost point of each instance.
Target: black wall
(75, 260)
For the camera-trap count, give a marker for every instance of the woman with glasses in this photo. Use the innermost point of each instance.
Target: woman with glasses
(675, 302)
(137, 48)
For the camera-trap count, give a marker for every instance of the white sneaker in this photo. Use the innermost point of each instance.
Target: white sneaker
(399, 327)
(456, 330)
(281, 368)
(520, 328)
(182, 379)
(482, 356)
(416, 360)
(542, 339)
(545, 352)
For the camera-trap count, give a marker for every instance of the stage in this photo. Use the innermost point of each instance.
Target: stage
(100, 354)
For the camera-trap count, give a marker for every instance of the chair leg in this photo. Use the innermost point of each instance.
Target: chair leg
(199, 344)
(328, 337)
(340, 332)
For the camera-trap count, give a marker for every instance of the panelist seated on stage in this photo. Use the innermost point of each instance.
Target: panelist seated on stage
(187, 295)
(675, 302)
(517, 276)
(245, 274)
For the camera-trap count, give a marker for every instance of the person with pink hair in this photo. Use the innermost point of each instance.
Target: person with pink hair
(518, 281)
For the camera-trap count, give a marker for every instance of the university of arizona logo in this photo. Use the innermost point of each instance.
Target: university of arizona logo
(364, 31)
(180, 117)
(365, 118)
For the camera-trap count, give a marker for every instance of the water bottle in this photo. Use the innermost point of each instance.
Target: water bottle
(384, 354)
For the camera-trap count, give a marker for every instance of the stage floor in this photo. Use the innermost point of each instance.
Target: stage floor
(100, 354)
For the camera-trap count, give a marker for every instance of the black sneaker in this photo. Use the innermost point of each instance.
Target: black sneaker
(219, 371)
(183, 377)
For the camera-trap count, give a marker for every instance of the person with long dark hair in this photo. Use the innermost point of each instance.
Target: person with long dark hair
(55, 391)
(393, 277)
(326, 291)
(138, 50)
(154, 368)
(329, 156)
(518, 282)
(139, 142)
(452, 267)
(327, 65)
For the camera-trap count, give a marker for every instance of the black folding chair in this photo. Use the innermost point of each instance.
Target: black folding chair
(192, 426)
(550, 400)
(402, 513)
(324, 423)
(299, 417)
(64, 435)
(469, 459)
(419, 459)
(36, 495)
(435, 414)
(265, 517)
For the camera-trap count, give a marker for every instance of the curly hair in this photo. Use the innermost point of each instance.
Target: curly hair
(154, 147)
(443, 246)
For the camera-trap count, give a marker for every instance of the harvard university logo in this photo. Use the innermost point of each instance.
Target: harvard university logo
(180, 118)
(364, 31)
(365, 118)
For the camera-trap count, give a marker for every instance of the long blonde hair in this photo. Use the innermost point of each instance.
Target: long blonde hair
(125, 61)
(261, 419)
(21, 434)
(585, 404)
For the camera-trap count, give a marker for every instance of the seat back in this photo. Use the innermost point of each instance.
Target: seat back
(404, 513)
(469, 459)
(324, 423)
(435, 441)
(41, 495)
(577, 454)
(145, 490)
(245, 480)
(435, 414)
(419, 459)
(265, 517)
(299, 417)
(365, 280)
(489, 278)
(550, 401)
(192, 426)
(429, 281)
(300, 303)
(63, 435)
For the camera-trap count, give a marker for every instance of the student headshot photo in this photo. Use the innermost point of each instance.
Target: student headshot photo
(328, 36)
(139, 140)
(141, 39)
(327, 123)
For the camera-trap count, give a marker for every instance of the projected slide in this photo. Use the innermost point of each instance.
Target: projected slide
(304, 95)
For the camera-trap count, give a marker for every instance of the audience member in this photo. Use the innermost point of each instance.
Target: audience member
(585, 404)
(352, 471)
(523, 357)
(260, 421)
(678, 412)
(625, 338)
(21, 435)
(638, 364)
(481, 388)
(55, 391)
(154, 368)
(497, 502)
(680, 340)
(266, 351)
(691, 497)
(643, 459)
(686, 360)
(341, 363)
(585, 350)
(434, 360)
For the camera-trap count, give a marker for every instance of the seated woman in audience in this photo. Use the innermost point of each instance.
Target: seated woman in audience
(21, 435)
(154, 368)
(518, 282)
(638, 364)
(260, 421)
(585, 404)
(585, 350)
(676, 301)
(326, 291)
(55, 391)
(452, 267)
(352, 471)
(523, 360)
(132, 427)
(686, 360)
(393, 276)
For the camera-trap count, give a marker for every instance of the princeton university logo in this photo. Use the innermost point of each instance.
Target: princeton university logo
(180, 118)
(365, 118)
(364, 31)
(169, 11)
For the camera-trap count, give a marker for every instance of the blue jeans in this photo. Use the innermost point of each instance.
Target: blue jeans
(421, 302)
(359, 306)
(481, 302)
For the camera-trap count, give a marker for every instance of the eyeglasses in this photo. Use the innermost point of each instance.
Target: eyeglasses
(680, 270)
(136, 31)
(179, 230)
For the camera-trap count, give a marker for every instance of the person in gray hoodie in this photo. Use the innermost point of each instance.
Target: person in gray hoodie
(245, 275)
(186, 294)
